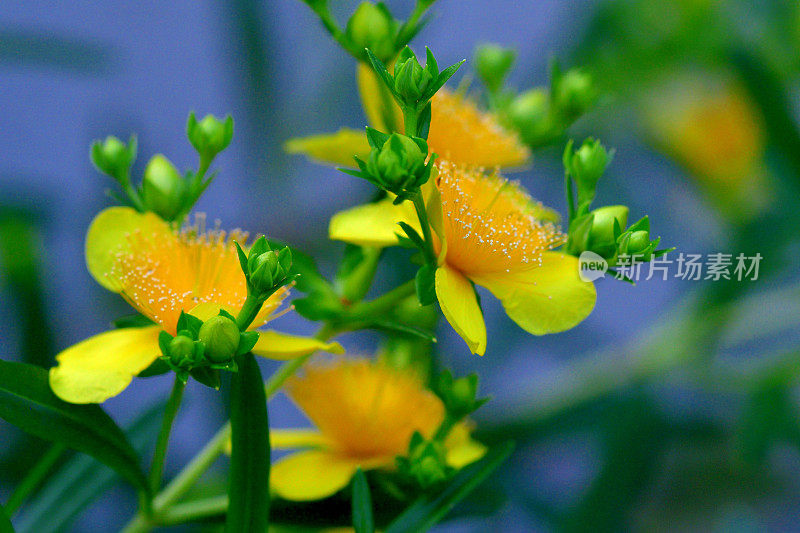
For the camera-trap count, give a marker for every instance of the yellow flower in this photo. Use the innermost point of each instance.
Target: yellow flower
(490, 232)
(365, 414)
(712, 129)
(160, 272)
(459, 131)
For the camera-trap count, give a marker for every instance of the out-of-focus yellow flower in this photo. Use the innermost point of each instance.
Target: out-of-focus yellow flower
(365, 414)
(459, 131)
(160, 272)
(712, 129)
(490, 232)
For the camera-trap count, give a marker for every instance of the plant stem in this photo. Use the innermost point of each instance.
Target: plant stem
(378, 306)
(410, 121)
(34, 478)
(160, 454)
(252, 305)
(193, 510)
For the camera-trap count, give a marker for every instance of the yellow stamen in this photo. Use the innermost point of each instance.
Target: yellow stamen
(490, 222)
(163, 274)
(366, 410)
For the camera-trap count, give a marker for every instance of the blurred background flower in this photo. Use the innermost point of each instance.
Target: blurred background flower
(673, 407)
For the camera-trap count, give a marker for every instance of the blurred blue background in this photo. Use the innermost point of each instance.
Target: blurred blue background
(71, 73)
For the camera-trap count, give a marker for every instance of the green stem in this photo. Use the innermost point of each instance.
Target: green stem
(34, 478)
(160, 454)
(252, 305)
(196, 509)
(380, 305)
(410, 126)
(422, 214)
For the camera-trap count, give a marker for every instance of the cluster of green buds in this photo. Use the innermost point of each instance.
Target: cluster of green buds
(202, 349)
(164, 190)
(425, 467)
(266, 270)
(540, 115)
(372, 26)
(413, 85)
(601, 230)
(396, 163)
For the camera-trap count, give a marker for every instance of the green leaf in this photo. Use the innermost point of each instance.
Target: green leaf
(356, 271)
(5, 522)
(84, 479)
(135, 320)
(207, 376)
(248, 489)
(376, 138)
(362, 504)
(380, 69)
(397, 327)
(428, 510)
(27, 402)
(425, 282)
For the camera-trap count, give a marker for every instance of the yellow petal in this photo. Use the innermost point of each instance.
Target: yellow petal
(336, 148)
(547, 299)
(461, 448)
(460, 306)
(281, 439)
(374, 99)
(435, 212)
(373, 224)
(108, 236)
(296, 438)
(311, 475)
(282, 346)
(100, 367)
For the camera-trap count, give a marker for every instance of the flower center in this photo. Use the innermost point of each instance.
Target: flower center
(366, 409)
(491, 224)
(164, 273)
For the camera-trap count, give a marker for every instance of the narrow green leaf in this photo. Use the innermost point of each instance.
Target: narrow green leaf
(248, 490)
(84, 479)
(397, 327)
(425, 282)
(427, 511)
(5, 522)
(362, 504)
(27, 402)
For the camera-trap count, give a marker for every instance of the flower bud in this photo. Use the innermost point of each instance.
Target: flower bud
(409, 80)
(220, 335)
(210, 136)
(492, 63)
(529, 114)
(163, 188)
(268, 269)
(181, 352)
(373, 27)
(398, 164)
(112, 156)
(574, 94)
(603, 224)
(586, 165)
(427, 463)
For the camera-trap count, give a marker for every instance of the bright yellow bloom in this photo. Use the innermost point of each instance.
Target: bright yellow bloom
(459, 131)
(160, 272)
(713, 130)
(490, 232)
(365, 414)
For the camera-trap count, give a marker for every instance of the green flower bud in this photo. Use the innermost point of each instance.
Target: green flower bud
(459, 395)
(529, 114)
(574, 94)
(373, 27)
(601, 237)
(587, 164)
(398, 164)
(220, 335)
(268, 269)
(112, 156)
(492, 63)
(181, 352)
(210, 136)
(411, 81)
(638, 242)
(163, 188)
(427, 463)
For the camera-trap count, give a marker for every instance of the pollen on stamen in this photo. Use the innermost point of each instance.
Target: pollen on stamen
(490, 222)
(164, 273)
